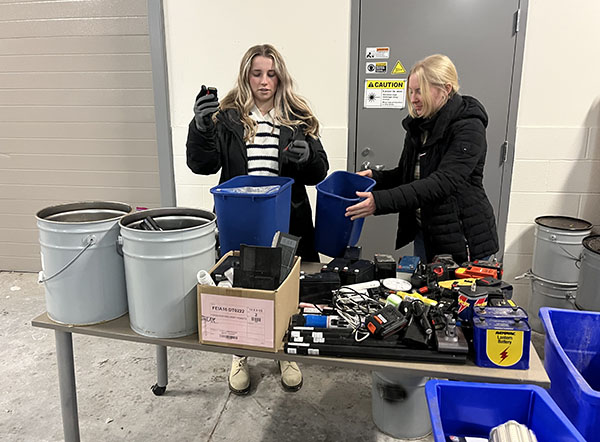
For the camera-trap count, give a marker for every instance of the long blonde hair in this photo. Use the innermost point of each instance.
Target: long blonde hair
(291, 110)
(435, 71)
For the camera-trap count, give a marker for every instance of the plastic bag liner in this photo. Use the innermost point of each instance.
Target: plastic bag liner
(254, 190)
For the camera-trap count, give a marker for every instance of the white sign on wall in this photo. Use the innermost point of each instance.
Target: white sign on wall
(385, 94)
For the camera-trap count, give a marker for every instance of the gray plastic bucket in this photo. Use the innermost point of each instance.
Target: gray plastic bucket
(82, 273)
(161, 268)
(399, 404)
(546, 293)
(557, 248)
(588, 293)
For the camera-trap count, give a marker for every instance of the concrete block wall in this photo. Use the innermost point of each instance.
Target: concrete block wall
(557, 152)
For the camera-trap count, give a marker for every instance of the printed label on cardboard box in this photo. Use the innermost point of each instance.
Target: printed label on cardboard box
(234, 320)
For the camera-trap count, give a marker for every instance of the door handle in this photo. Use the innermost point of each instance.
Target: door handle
(379, 167)
(365, 165)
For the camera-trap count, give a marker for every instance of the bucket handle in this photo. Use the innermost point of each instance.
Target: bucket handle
(119, 245)
(89, 241)
(577, 259)
(527, 274)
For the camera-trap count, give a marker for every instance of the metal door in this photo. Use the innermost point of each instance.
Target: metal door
(481, 39)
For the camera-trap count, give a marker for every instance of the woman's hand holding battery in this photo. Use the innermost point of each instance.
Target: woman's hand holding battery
(363, 208)
(204, 107)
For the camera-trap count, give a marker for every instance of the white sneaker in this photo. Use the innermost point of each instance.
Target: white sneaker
(291, 376)
(239, 376)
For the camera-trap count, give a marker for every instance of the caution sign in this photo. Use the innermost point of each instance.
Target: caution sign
(398, 68)
(385, 94)
(504, 347)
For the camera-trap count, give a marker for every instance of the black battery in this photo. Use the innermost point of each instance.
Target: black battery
(358, 271)
(385, 266)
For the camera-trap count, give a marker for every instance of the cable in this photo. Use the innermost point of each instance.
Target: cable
(354, 306)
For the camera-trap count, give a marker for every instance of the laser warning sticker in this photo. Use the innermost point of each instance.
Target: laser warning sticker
(379, 67)
(504, 347)
(385, 94)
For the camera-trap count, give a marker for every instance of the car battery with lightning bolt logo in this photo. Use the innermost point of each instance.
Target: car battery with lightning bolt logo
(501, 337)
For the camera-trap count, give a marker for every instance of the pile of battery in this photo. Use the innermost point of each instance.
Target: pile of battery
(437, 312)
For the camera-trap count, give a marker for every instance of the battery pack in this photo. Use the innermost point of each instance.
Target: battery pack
(501, 337)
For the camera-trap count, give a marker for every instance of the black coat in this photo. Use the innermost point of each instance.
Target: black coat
(456, 215)
(223, 148)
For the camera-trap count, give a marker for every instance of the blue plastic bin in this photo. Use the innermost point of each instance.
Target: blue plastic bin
(333, 231)
(251, 218)
(572, 361)
(473, 409)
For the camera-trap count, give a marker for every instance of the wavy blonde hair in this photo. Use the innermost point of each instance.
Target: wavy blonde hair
(435, 71)
(291, 110)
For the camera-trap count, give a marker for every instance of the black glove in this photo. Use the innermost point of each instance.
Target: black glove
(206, 105)
(296, 152)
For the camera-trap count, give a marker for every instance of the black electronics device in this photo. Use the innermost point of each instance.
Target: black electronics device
(385, 266)
(149, 223)
(336, 265)
(374, 352)
(288, 245)
(450, 338)
(317, 288)
(385, 322)
(260, 268)
(352, 253)
(206, 91)
(231, 261)
(361, 270)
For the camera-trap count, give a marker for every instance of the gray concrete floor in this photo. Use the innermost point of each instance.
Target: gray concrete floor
(115, 402)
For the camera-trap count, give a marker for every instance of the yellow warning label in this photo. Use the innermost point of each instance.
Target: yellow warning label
(385, 84)
(398, 68)
(504, 347)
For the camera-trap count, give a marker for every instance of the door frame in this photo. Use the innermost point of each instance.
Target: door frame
(519, 25)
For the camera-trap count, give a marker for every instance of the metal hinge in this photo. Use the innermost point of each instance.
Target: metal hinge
(504, 151)
(517, 20)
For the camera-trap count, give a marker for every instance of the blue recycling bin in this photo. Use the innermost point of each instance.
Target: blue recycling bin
(572, 361)
(249, 216)
(333, 231)
(473, 409)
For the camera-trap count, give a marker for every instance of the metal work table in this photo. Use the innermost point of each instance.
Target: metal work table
(119, 329)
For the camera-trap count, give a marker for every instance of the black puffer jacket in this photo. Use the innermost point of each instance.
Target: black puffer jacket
(223, 148)
(456, 215)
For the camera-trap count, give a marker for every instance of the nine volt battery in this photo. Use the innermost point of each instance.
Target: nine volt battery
(501, 337)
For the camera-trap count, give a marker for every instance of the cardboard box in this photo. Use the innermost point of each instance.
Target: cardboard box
(247, 318)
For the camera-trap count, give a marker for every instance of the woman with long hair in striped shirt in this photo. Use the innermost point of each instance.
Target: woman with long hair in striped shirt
(262, 127)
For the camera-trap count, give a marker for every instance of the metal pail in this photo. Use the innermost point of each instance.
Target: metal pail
(588, 293)
(399, 405)
(557, 248)
(161, 267)
(545, 293)
(82, 272)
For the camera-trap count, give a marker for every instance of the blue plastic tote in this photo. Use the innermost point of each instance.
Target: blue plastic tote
(249, 217)
(334, 231)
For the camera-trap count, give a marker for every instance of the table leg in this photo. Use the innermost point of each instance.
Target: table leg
(161, 371)
(66, 384)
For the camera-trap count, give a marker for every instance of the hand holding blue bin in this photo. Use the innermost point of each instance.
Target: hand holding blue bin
(333, 230)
